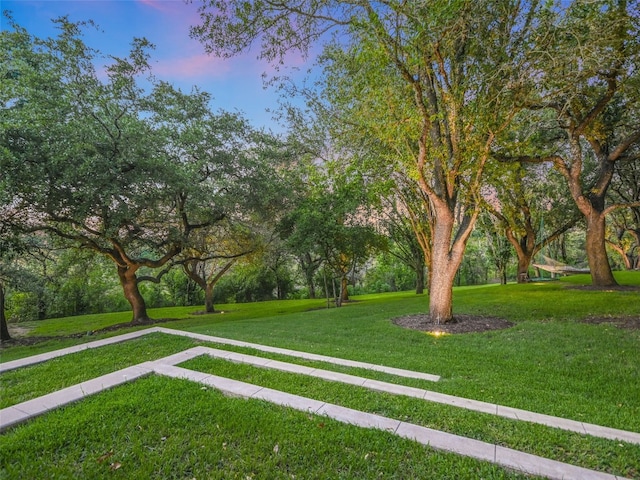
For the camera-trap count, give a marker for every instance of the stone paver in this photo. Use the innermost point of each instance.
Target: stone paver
(186, 355)
(611, 433)
(447, 441)
(358, 418)
(11, 416)
(43, 357)
(307, 356)
(289, 400)
(534, 465)
(6, 366)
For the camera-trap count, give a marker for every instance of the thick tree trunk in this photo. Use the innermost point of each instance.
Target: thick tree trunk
(444, 265)
(4, 328)
(601, 274)
(524, 260)
(441, 296)
(208, 299)
(129, 282)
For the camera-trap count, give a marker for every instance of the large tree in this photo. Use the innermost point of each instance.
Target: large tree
(213, 252)
(433, 81)
(105, 164)
(584, 111)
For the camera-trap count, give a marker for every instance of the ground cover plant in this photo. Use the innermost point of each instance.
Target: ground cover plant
(551, 361)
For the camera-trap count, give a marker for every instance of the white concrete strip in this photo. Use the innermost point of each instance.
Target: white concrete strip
(43, 357)
(505, 457)
(475, 405)
(307, 356)
(436, 397)
(533, 465)
(24, 411)
(23, 362)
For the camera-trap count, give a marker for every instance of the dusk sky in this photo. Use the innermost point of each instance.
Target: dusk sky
(235, 84)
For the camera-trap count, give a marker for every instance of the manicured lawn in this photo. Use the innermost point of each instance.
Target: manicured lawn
(549, 362)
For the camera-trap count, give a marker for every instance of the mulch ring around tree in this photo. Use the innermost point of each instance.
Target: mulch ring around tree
(460, 324)
(631, 322)
(20, 337)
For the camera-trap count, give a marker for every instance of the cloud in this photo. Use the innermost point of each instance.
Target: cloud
(158, 5)
(191, 67)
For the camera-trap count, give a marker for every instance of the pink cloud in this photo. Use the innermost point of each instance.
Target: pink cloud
(191, 67)
(158, 5)
(176, 9)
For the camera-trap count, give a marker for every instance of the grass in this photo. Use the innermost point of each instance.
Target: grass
(188, 432)
(549, 362)
(535, 439)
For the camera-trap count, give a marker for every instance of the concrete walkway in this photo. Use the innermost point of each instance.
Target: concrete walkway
(166, 366)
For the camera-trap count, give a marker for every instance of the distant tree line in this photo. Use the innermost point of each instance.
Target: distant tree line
(442, 145)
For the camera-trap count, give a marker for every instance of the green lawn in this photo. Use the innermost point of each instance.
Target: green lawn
(549, 362)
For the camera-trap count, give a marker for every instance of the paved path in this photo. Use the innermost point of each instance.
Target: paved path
(166, 366)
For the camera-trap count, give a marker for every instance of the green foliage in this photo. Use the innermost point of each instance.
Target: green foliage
(388, 274)
(125, 166)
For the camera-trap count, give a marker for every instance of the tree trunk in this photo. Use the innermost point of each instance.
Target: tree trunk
(601, 274)
(627, 259)
(344, 292)
(4, 328)
(309, 268)
(312, 288)
(503, 275)
(420, 280)
(524, 260)
(208, 298)
(444, 265)
(129, 282)
(441, 294)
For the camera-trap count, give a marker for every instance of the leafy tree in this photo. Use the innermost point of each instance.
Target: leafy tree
(499, 248)
(409, 241)
(624, 236)
(431, 81)
(388, 274)
(330, 222)
(584, 112)
(533, 209)
(102, 164)
(9, 246)
(212, 254)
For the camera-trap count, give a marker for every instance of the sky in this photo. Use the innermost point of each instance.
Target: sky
(236, 84)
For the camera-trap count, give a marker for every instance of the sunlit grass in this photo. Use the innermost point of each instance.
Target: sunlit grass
(549, 362)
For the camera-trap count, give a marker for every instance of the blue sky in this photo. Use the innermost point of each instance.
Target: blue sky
(236, 84)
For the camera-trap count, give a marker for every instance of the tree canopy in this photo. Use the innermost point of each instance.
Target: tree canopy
(117, 163)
